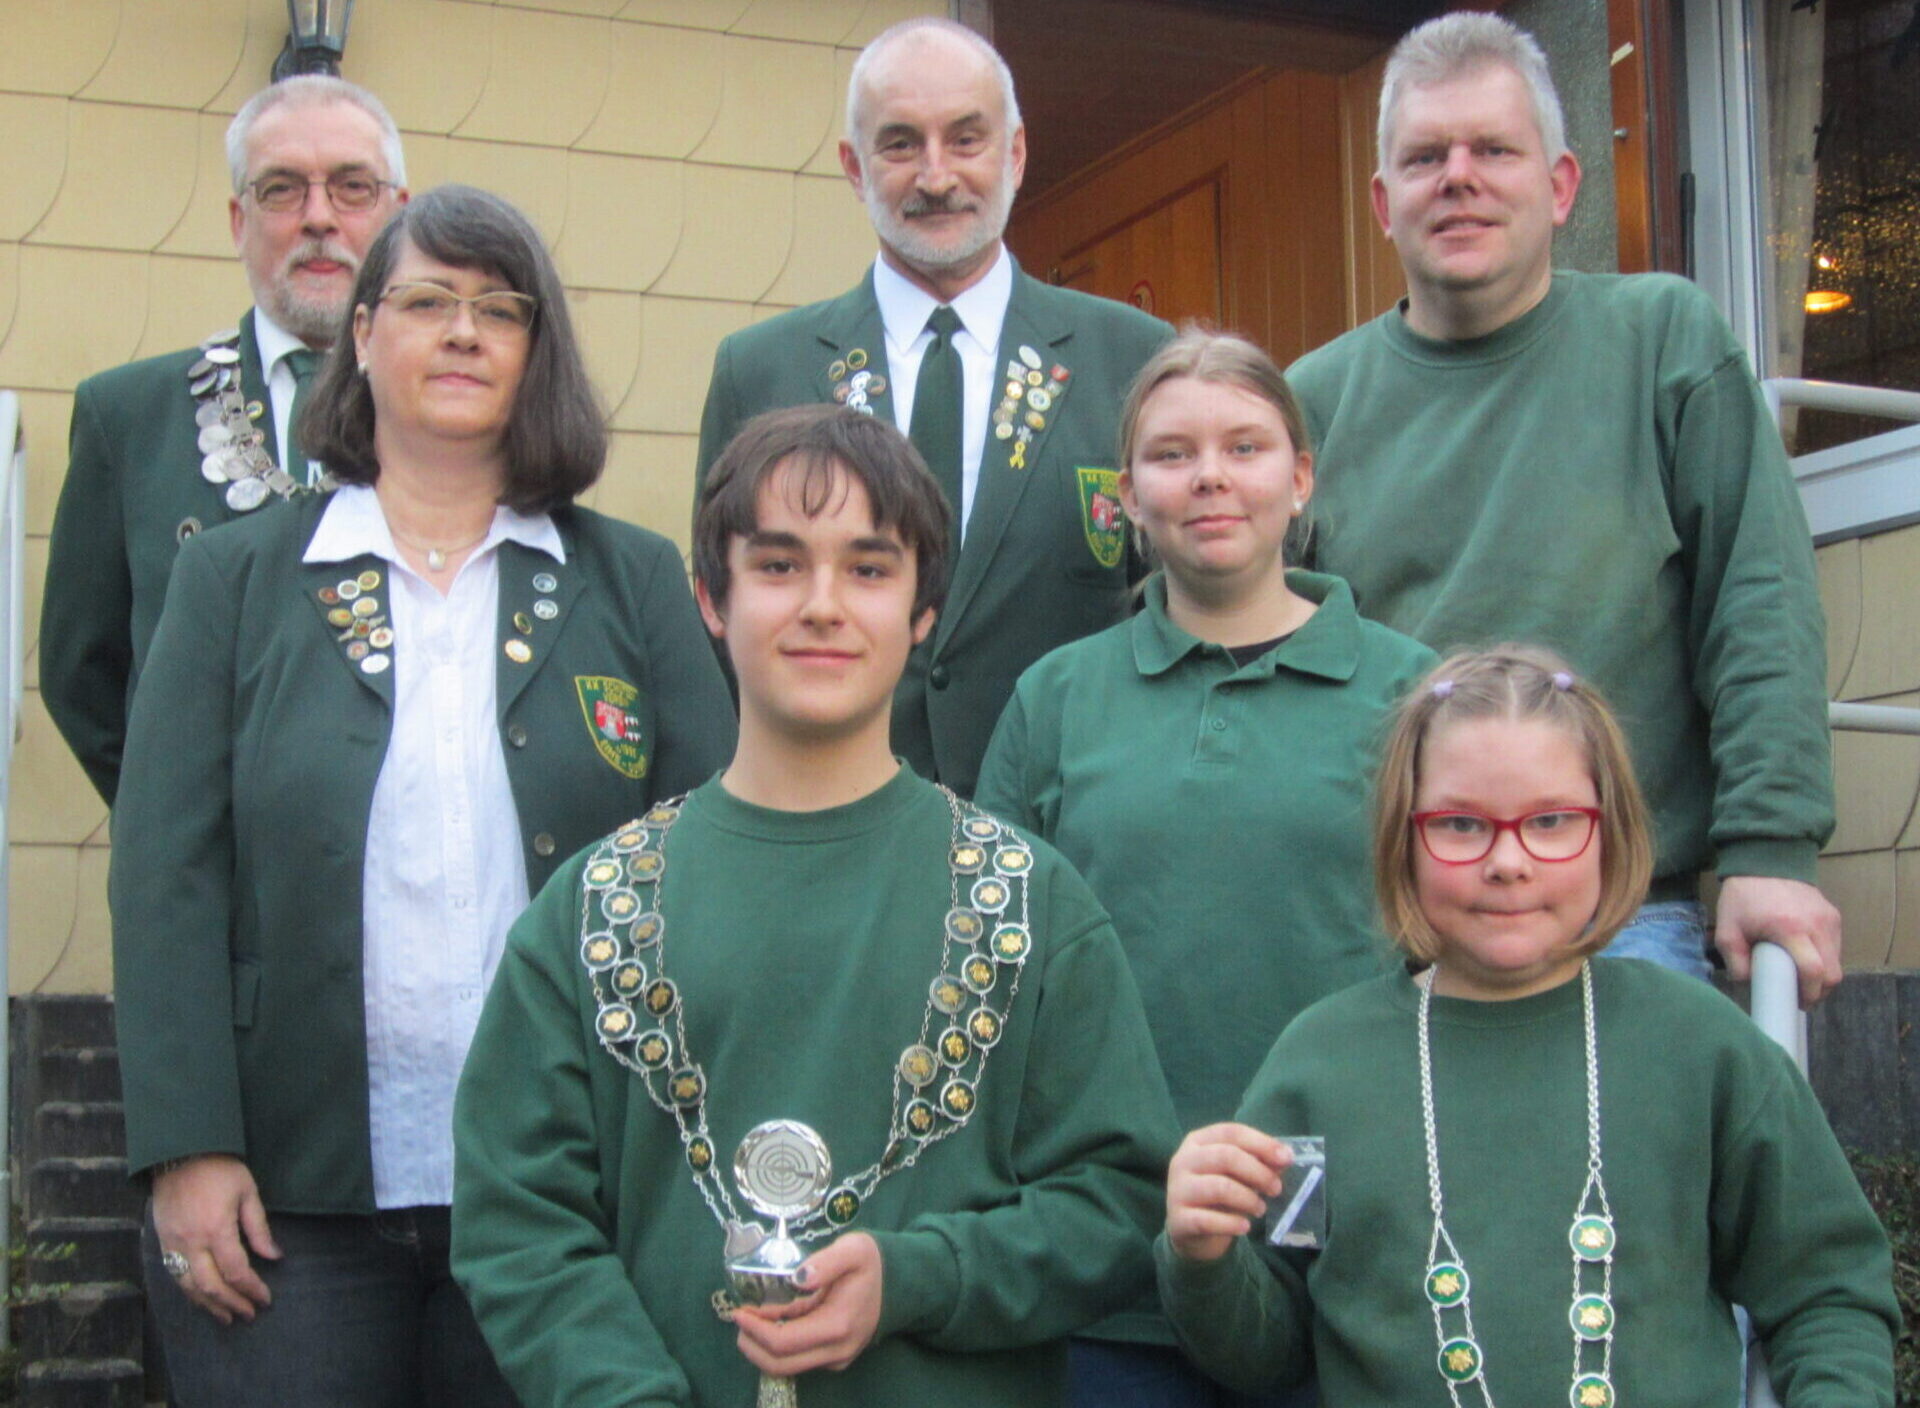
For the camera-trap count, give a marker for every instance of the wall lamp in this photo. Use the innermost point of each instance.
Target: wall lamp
(316, 38)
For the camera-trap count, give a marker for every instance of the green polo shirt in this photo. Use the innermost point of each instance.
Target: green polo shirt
(1220, 813)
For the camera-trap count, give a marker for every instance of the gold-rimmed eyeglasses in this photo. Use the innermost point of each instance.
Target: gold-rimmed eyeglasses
(348, 190)
(500, 311)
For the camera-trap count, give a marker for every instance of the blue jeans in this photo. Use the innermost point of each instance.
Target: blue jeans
(364, 1313)
(1108, 1374)
(1672, 933)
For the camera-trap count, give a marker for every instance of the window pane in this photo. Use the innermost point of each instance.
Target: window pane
(1843, 92)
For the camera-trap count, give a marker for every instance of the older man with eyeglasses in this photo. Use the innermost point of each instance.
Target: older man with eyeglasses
(162, 448)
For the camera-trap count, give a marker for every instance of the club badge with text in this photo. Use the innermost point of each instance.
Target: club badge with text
(607, 704)
(1102, 516)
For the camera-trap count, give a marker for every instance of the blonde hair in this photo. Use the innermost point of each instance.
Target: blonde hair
(1207, 354)
(1463, 43)
(1523, 684)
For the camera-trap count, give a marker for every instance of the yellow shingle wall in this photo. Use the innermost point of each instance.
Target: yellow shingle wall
(1872, 867)
(678, 154)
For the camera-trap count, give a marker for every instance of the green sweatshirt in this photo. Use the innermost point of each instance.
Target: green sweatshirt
(1599, 476)
(1725, 1183)
(1220, 813)
(803, 945)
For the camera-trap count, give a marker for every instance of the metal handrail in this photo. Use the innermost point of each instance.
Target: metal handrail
(13, 479)
(1840, 396)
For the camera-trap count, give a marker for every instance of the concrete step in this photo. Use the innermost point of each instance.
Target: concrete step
(65, 1249)
(82, 1187)
(80, 1128)
(89, 1320)
(82, 1073)
(82, 1383)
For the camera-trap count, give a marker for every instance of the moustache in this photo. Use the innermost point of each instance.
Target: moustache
(327, 250)
(936, 205)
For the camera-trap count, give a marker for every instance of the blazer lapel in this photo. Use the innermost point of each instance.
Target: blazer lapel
(536, 596)
(253, 384)
(1028, 390)
(352, 602)
(852, 355)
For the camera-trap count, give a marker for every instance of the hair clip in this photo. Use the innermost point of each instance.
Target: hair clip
(1562, 681)
(1442, 689)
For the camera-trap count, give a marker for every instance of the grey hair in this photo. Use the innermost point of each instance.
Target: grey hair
(1465, 42)
(311, 90)
(862, 66)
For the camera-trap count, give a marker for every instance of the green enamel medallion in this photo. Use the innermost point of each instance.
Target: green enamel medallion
(1591, 1391)
(1460, 1360)
(1591, 1317)
(1591, 1238)
(1447, 1283)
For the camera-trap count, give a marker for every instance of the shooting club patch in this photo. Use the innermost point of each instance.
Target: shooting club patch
(1102, 516)
(607, 705)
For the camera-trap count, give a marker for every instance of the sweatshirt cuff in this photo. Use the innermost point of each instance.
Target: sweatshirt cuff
(1185, 1282)
(1776, 859)
(919, 1282)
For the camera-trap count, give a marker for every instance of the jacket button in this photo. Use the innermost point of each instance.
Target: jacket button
(938, 677)
(543, 844)
(517, 735)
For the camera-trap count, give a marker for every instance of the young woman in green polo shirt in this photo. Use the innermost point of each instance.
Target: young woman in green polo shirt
(1205, 764)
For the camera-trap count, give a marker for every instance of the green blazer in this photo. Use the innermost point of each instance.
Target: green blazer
(240, 831)
(1045, 557)
(133, 493)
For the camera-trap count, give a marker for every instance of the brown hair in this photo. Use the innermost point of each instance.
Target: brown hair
(1521, 683)
(827, 446)
(556, 437)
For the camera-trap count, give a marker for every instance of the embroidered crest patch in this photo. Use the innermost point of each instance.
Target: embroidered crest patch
(607, 703)
(1102, 516)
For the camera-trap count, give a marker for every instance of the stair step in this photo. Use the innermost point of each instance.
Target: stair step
(90, 1320)
(64, 1249)
(82, 1073)
(83, 1187)
(82, 1383)
(80, 1129)
(67, 1019)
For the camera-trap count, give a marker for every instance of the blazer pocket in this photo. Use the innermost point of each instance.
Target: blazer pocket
(246, 992)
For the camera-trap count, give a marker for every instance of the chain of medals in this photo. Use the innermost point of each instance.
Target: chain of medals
(233, 450)
(1591, 1238)
(983, 951)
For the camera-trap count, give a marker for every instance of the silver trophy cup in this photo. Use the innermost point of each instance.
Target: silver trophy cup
(782, 1171)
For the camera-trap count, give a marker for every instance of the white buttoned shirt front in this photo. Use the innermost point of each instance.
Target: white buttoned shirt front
(444, 875)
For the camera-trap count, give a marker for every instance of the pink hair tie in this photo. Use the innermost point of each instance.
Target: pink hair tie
(1442, 689)
(1562, 681)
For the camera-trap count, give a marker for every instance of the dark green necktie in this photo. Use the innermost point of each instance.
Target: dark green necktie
(937, 398)
(303, 361)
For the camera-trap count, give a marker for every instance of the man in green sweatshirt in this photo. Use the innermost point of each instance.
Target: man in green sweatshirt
(819, 1076)
(1584, 462)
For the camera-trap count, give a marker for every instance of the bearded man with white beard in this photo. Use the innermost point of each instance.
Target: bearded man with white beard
(1010, 388)
(162, 448)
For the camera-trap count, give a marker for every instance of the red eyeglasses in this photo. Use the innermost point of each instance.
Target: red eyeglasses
(1461, 838)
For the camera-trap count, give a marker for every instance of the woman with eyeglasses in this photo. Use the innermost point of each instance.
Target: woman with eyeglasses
(372, 723)
(1205, 766)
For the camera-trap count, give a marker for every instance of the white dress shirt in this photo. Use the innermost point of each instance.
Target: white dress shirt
(444, 875)
(982, 309)
(275, 342)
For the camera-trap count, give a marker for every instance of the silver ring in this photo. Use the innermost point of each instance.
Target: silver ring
(175, 1263)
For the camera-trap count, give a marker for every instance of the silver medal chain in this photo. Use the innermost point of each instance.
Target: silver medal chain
(1591, 1238)
(1002, 856)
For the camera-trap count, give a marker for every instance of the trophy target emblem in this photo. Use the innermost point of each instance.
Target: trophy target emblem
(782, 1169)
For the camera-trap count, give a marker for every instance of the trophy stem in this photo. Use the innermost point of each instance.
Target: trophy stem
(776, 1392)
